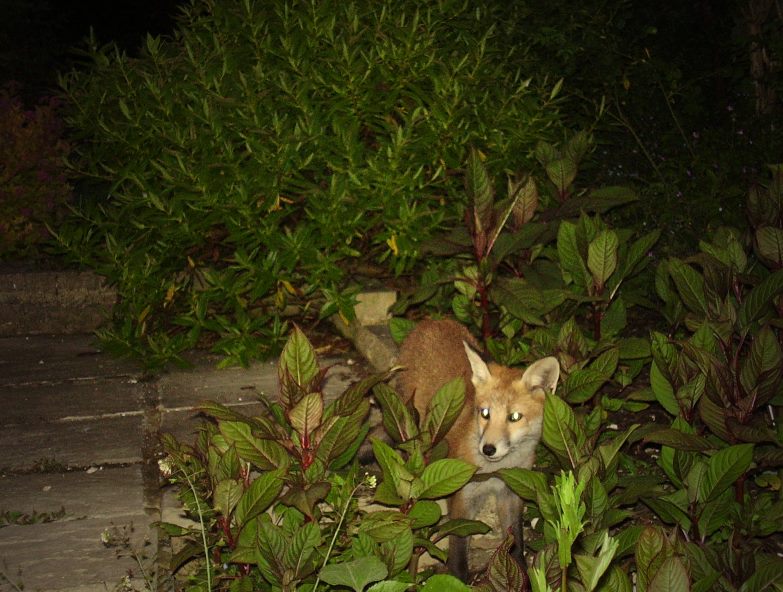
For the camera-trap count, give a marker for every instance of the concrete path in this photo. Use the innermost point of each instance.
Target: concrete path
(79, 482)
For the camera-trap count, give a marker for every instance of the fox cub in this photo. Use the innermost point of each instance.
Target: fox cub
(500, 424)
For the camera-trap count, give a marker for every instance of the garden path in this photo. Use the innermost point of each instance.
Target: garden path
(79, 482)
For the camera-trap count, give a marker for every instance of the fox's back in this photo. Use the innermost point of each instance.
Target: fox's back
(432, 355)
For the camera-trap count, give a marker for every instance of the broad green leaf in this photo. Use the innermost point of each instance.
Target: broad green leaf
(525, 195)
(714, 416)
(522, 299)
(267, 455)
(770, 244)
(356, 574)
(762, 369)
(606, 363)
(690, 285)
(768, 573)
(444, 408)
(397, 420)
(716, 514)
(598, 201)
(571, 261)
(638, 254)
(306, 498)
(663, 391)
(298, 358)
(725, 467)
(614, 319)
(444, 583)
(227, 495)
(602, 257)
(384, 525)
(526, 483)
(463, 527)
(616, 580)
(400, 327)
(260, 425)
(389, 586)
(592, 568)
(581, 385)
(679, 440)
(609, 450)
(341, 434)
(397, 553)
(307, 413)
(302, 545)
(478, 186)
(503, 572)
(561, 432)
(259, 496)
(671, 576)
(562, 173)
(689, 394)
(650, 545)
(425, 513)
(445, 476)
(634, 348)
(759, 300)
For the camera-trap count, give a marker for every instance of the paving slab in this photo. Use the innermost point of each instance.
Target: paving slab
(67, 401)
(53, 302)
(181, 391)
(105, 519)
(57, 358)
(94, 442)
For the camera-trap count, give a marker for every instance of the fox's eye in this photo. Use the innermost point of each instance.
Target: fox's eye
(516, 416)
(484, 412)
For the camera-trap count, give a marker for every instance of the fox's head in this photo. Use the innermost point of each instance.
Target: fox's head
(509, 404)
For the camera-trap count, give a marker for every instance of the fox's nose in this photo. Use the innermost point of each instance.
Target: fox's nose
(489, 450)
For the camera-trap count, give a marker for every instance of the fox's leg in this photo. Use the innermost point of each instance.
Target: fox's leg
(509, 507)
(458, 546)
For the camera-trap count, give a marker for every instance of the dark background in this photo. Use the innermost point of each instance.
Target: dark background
(38, 37)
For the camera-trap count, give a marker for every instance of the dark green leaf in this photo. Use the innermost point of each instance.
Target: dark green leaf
(690, 285)
(444, 408)
(267, 455)
(445, 476)
(356, 574)
(759, 300)
(725, 467)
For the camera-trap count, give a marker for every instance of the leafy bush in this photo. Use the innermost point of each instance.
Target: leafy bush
(527, 269)
(267, 150)
(33, 184)
(276, 496)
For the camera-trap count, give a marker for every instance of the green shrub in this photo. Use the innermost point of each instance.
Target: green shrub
(33, 185)
(257, 157)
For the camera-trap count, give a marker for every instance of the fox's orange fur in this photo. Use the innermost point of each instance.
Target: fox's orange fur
(500, 424)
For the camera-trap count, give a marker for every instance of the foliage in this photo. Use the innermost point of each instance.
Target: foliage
(418, 473)
(266, 152)
(524, 275)
(33, 185)
(712, 493)
(276, 495)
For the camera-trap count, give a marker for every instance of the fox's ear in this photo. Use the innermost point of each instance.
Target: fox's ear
(542, 374)
(477, 365)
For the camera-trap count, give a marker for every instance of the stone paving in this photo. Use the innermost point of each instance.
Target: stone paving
(78, 440)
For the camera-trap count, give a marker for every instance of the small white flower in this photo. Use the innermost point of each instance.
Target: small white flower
(166, 467)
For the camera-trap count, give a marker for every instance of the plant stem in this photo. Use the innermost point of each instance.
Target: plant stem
(203, 530)
(626, 123)
(677, 121)
(334, 537)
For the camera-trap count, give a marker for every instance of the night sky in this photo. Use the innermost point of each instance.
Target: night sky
(37, 36)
